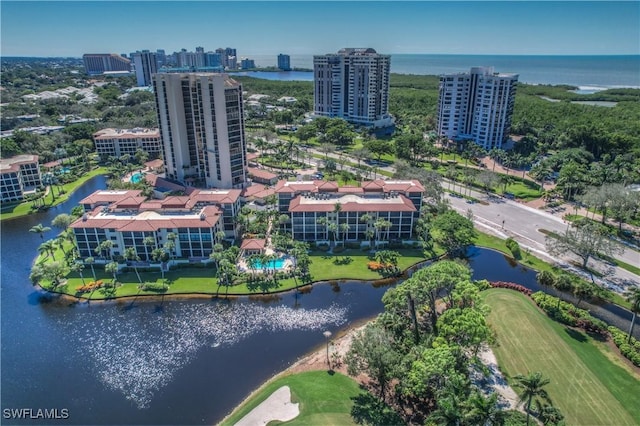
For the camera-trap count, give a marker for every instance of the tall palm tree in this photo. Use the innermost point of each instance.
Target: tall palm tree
(148, 243)
(60, 239)
(131, 255)
(633, 297)
(40, 229)
(344, 228)
(159, 255)
(105, 246)
(112, 268)
(532, 386)
(78, 267)
(90, 260)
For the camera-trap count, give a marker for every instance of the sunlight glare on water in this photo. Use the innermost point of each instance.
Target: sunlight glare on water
(137, 352)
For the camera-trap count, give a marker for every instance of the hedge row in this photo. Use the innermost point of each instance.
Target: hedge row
(512, 286)
(568, 314)
(631, 350)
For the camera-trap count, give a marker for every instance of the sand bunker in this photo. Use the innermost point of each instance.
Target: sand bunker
(277, 407)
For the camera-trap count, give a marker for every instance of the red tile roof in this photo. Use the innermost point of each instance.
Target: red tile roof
(261, 174)
(151, 221)
(105, 196)
(253, 244)
(154, 164)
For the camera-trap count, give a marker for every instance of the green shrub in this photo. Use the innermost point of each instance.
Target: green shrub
(568, 314)
(156, 287)
(482, 284)
(338, 249)
(352, 245)
(514, 248)
(631, 350)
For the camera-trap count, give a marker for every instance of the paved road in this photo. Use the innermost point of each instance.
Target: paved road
(507, 218)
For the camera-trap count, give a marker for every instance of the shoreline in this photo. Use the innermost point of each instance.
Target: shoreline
(309, 361)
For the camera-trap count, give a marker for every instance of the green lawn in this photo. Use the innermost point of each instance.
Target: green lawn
(10, 211)
(589, 383)
(325, 399)
(351, 264)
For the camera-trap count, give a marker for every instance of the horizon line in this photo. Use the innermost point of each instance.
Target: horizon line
(248, 56)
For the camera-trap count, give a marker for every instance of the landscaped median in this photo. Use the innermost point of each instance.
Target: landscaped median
(201, 279)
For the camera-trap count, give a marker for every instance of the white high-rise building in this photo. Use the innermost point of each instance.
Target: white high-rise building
(202, 129)
(353, 84)
(477, 106)
(146, 64)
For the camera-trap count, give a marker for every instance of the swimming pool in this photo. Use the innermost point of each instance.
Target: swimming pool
(137, 177)
(273, 264)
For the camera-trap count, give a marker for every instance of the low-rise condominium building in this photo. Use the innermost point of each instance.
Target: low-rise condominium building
(18, 175)
(117, 142)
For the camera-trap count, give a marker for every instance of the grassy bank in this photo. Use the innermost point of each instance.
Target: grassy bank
(325, 399)
(11, 211)
(348, 265)
(589, 383)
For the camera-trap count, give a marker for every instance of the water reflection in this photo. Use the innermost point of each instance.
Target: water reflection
(138, 352)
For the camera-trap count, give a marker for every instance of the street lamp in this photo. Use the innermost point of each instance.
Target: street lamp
(326, 335)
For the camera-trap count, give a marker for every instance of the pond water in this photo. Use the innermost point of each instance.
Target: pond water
(166, 361)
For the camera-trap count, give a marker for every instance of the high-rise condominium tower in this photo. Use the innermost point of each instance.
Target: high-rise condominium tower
(477, 106)
(202, 128)
(284, 62)
(146, 64)
(353, 84)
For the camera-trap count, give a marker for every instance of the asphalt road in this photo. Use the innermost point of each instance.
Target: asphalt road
(507, 218)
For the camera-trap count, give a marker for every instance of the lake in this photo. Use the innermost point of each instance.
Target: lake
(168, 361)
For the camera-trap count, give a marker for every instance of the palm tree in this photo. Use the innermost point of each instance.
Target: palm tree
(112, 268)
(131, 255)
(545, 278)
(484, 410)
(148, 242)
(582, 291)
(324, 222)
(171, 243)
(90, 260)
(78, 267)
(532, 386)
(40, 229)
(633, 297)
(159, 255)
(448, 413)
(48, 247)
(344, 227)
(105, 246)
(60, 243)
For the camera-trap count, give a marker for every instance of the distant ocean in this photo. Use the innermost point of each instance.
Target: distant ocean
(582, 71)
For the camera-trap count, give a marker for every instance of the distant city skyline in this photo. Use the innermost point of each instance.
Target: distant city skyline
(298, 27)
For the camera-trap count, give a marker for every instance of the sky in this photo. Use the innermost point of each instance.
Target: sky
(54, 28)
